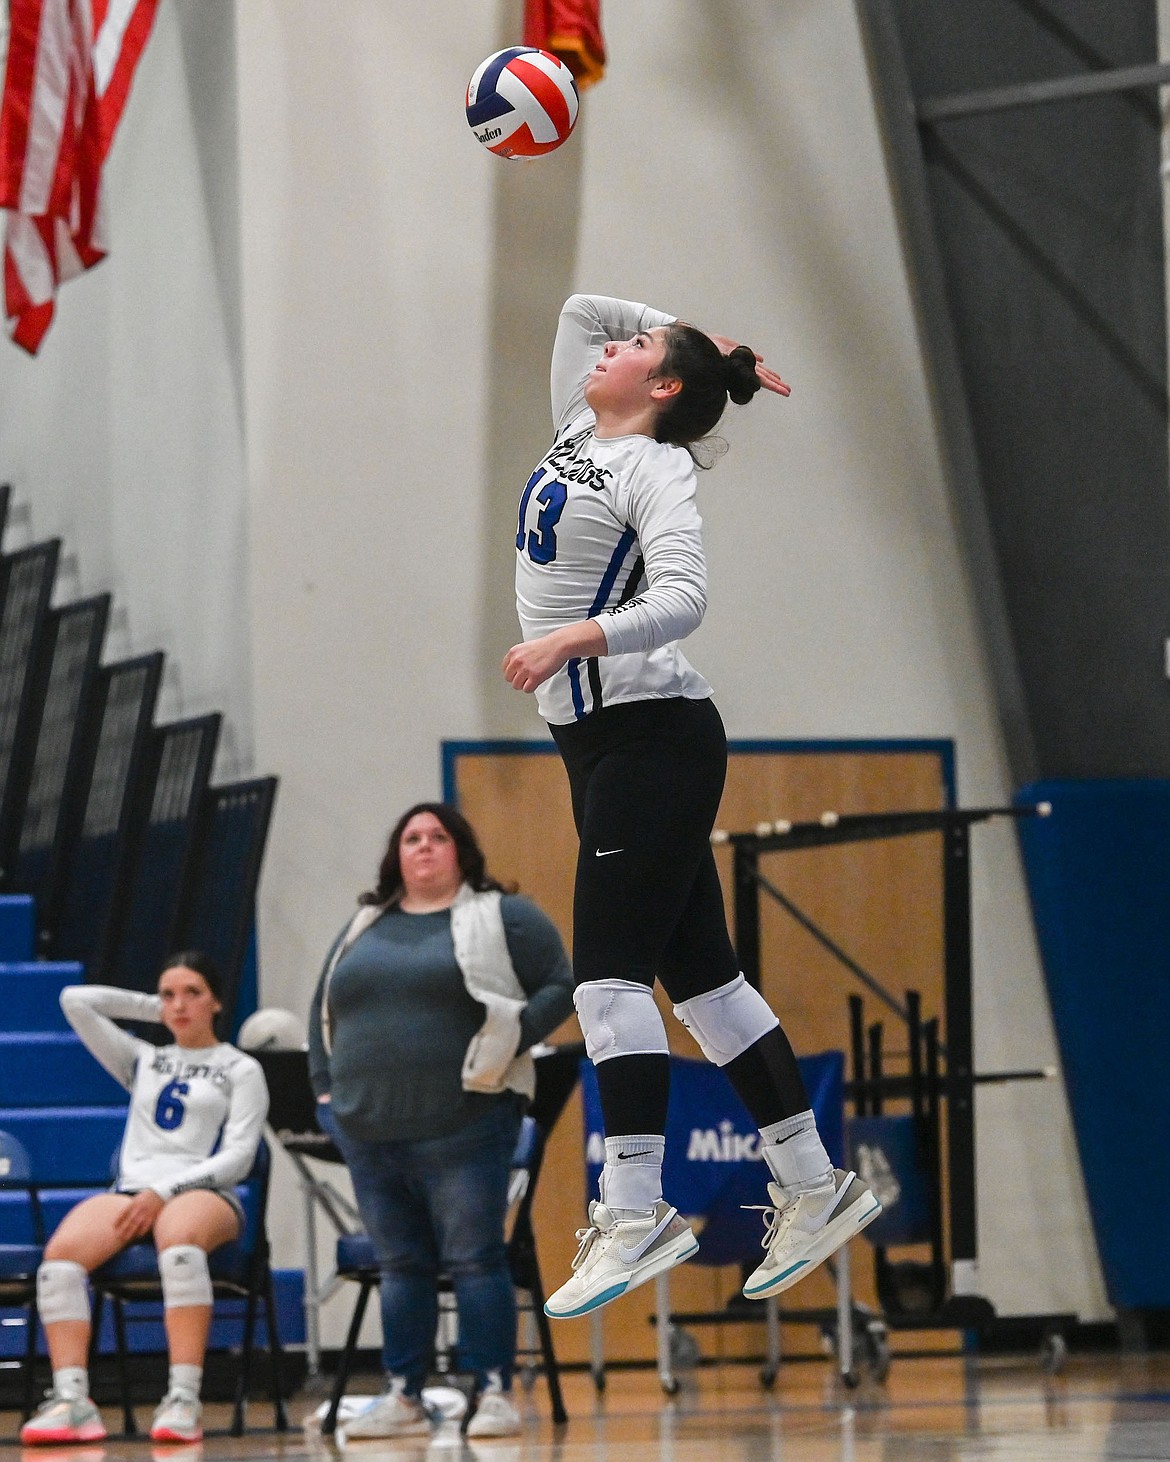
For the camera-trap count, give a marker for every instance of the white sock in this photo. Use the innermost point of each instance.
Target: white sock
(71, 1383)
(631, 1181)
(796, 1155)
(185, 1381)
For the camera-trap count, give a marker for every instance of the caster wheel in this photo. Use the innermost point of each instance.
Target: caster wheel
(1053, 1353)
(851, 1379)
(599, 1380)
(670, 1385)
(768, 1378)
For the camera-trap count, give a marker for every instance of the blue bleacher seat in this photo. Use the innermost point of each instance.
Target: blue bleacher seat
(69, 1146)
(53, 1068)
(30, 994)
(16, 1225)
(17, 927)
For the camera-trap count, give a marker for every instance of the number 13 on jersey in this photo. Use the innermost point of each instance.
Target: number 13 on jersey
(540, 541)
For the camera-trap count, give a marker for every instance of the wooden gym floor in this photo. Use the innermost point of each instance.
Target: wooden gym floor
(941, 1409)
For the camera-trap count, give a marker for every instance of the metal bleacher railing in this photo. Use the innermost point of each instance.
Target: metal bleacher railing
(115, 850)
(33, 860)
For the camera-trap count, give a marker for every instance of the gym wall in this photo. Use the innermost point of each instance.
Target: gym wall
(333, 560)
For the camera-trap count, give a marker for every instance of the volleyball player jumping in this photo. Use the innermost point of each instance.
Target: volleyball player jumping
(610, 575)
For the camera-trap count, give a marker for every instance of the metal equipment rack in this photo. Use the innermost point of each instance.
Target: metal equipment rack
(961, 1306)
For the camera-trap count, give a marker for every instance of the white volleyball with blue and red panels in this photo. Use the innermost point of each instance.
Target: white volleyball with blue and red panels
(522, 102)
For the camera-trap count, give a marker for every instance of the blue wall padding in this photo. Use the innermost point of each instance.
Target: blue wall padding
(53, 1069)
(1098, 872)
(68, 1146)
(30, 995)
(17, 926)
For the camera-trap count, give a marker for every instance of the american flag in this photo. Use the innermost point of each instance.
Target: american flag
(70, 65)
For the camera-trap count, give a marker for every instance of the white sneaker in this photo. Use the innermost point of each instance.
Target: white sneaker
(393, 1414)
(618, 1254)
(177, 1418)
(802, 1231)
(63, 1419)
(495, 1416)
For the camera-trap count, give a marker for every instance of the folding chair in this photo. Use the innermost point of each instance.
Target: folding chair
(357, 1261)
(240, 1269)
(19, 1261)
(292, 1119)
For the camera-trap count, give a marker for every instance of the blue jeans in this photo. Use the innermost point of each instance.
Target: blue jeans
(438, 1206)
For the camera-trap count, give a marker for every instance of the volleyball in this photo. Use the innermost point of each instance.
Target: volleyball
(522, 102)
(272, 1029)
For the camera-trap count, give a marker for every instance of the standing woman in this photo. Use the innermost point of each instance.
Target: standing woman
(419, 1040)
(610, 575)
(197, 1109)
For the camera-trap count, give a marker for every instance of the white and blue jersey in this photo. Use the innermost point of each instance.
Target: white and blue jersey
(196, 1116)
(609, 530)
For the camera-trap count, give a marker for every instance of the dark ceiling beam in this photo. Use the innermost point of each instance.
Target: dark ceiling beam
(1037, 93)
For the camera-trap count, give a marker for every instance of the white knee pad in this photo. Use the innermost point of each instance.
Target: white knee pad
(619, 1018)
(62, 1293)
(726, 1021)
(185, 1278)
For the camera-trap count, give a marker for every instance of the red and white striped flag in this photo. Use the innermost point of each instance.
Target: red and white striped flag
(70, 65)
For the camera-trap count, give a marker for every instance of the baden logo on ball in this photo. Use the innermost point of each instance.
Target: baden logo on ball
(522, 102)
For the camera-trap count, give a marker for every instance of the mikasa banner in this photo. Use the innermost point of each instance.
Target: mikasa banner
(713, 1166)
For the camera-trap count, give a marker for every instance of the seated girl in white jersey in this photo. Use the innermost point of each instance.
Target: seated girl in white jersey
(610, 576)
(197, 1109)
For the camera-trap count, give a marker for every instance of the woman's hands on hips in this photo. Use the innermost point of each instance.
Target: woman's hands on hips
(137, 1217)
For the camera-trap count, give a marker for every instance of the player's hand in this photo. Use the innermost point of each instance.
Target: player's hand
(768, 378)
(530, 664)
(137, 1217)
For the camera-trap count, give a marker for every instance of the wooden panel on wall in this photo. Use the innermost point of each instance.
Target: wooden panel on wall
(881, 903)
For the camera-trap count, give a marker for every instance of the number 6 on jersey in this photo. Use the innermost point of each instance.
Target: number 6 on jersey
(169, 1110)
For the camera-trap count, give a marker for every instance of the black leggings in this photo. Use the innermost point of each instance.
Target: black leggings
(646, 778)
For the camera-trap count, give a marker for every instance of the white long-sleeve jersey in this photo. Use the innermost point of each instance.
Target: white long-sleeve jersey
(196, 1116)
(609, 530)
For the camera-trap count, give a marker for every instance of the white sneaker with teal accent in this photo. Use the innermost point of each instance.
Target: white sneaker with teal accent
(618, 1254)
(802, 1231)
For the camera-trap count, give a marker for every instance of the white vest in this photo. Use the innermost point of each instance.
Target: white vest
(481, 952)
